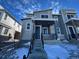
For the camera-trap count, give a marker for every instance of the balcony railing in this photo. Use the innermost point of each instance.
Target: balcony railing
(73, 18)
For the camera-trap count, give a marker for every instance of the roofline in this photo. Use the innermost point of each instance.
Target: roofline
(41, 10)
(29, 14)
(25, 19)
(56, 14)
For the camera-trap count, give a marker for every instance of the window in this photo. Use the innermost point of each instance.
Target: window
(5, 17)
(45, 30)
(1, 27)
(6, 31)
(0, 15)
(44, 16)
(70, 16)
(28, 26)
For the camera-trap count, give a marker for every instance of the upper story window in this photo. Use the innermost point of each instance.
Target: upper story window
(0, 15)
(44, 16)
(5, 16)
(70, 16)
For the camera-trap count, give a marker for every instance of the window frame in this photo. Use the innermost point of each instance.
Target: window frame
(1, 15)
(28, 26)
(44, 15)
(6, 31)
(1, 28)
(46, 30)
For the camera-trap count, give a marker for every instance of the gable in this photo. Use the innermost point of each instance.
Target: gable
(38, 14)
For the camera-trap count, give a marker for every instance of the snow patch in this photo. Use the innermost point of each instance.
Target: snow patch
(54, 51)
(20, 52)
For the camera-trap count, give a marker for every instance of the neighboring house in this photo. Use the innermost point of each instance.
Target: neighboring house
(8, 26)
(69, 23)
(50, 26)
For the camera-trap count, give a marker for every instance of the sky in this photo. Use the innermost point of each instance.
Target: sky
(19, 8)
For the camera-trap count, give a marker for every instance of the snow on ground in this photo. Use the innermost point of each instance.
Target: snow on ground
(53, 51)
(56, 51)
(20, 52)
(69, 46)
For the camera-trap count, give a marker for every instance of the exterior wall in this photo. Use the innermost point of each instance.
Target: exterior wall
(38, 14)
(52, 29)
(62, 25)
(26, 34)
(63, 19)
(9, 22)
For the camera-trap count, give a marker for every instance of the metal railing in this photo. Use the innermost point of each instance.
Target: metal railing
(31, 45)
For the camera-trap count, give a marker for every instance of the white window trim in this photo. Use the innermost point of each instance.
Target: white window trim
(44, 14)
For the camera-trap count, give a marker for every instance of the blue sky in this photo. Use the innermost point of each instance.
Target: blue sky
(19, 8)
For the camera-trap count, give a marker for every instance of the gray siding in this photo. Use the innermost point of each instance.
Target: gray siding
(62, 27)
(38, 14)
(27, 33)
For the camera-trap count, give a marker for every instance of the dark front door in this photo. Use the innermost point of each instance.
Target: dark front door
(72, 32)
(37, 32)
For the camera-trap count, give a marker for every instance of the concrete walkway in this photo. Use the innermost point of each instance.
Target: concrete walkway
(38, 51)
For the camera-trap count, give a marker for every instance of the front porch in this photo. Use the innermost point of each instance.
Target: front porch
(73, 28)
(44, 29)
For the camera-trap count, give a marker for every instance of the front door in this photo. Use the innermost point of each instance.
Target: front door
(72, 32)
(38, 32)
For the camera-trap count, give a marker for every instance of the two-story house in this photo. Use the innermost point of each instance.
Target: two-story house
(51, 26)
(8, 26)
(41, 23)
(69, 23)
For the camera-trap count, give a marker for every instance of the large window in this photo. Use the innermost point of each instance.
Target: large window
(0, 15)
(45, 30)
(70, 16)
(44, 16)
(6, 30)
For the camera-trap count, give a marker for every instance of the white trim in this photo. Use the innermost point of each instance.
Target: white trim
(40, 29)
